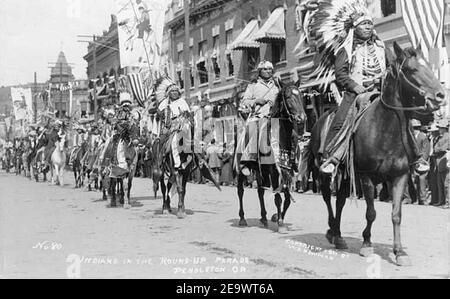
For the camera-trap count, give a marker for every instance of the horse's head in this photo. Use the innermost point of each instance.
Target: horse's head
(60, 143)
(289, 104)
(419, 86)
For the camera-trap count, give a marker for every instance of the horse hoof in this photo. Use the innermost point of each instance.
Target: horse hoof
(274, 218)
(243, 223)
(181, 215)
(366, 251)
(340, 243)
(282, 229)
(264, 222)
(330, 237)
(105, 198)
(403, 261)
(127, 206)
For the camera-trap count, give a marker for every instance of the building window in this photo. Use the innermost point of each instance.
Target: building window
(388, 7)
(230, 65)
(180, 56)
(216, 43)
(202, 72)
(216, 67)
(252, 59)
(202, 48)
(228, 37)
(278, 51)
(180, 79)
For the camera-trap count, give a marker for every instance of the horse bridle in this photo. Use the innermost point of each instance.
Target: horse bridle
(291, 117)
(422, 92)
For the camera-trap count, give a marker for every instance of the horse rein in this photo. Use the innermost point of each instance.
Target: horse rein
(411, 84)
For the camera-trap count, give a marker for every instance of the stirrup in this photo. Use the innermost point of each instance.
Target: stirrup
(421, 166)
(329, 166)
(245, 171)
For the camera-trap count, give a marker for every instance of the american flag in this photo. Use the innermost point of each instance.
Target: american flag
(424, 21)
(137, 88)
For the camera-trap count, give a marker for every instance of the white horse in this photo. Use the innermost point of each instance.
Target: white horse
(58, 162)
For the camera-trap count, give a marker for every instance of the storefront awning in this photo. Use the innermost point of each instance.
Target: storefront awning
(245, 40)
(273, 29)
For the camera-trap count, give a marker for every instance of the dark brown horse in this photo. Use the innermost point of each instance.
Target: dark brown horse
(382, 150)
(288, 111)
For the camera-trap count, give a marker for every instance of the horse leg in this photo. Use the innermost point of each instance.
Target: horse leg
(127, 190)
(240, 190)
(369, 194)
(341, 195)
(278, 203)
(120, 191)
(287, 203)
(89, 181)
(61, 174)
(398, 188)
(112, 186)
(181, 214)
(326, 194)
(166, 195)
(263, 219)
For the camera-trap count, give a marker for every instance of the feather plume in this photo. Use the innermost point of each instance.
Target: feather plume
(331, 24)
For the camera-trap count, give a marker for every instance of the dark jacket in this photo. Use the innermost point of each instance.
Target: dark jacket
(440, 148)
(423, 144)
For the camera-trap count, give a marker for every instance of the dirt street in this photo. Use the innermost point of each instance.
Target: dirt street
(59, 232)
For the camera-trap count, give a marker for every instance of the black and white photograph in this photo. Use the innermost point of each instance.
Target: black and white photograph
(214, 141)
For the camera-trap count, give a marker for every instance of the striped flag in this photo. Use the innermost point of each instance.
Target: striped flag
(424, 21)
(137, 88)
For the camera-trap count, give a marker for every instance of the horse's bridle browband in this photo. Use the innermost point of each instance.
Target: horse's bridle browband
(414, 86)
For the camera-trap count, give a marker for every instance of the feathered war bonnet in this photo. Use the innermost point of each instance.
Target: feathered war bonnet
(163, 87)
(333, 25)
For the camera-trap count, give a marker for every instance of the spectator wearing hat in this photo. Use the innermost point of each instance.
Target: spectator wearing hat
(214, 156)
(226, 175)
(417, 190)
(432, 176)
(441, 148)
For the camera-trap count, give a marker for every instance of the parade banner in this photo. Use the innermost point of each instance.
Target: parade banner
(3, 130)
(140, 26)
(23, 103)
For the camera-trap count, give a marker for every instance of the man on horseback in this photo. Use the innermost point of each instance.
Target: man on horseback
(171, 109)
(258, 99)
(79, 140)
(360, 66)
(53, 136)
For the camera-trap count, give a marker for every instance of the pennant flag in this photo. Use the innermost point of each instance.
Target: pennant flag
(137, 88)
(424, 21)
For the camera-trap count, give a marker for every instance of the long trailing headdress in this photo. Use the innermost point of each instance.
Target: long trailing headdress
(333, 25)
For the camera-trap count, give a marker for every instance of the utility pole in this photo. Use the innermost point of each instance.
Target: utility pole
(187, 67)
(60, 92)
(35, 97)
(95, 84)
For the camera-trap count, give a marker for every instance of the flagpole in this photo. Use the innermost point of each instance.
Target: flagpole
(143, 43)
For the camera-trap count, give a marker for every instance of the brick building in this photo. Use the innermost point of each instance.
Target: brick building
(230, 37)
(106, 48)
